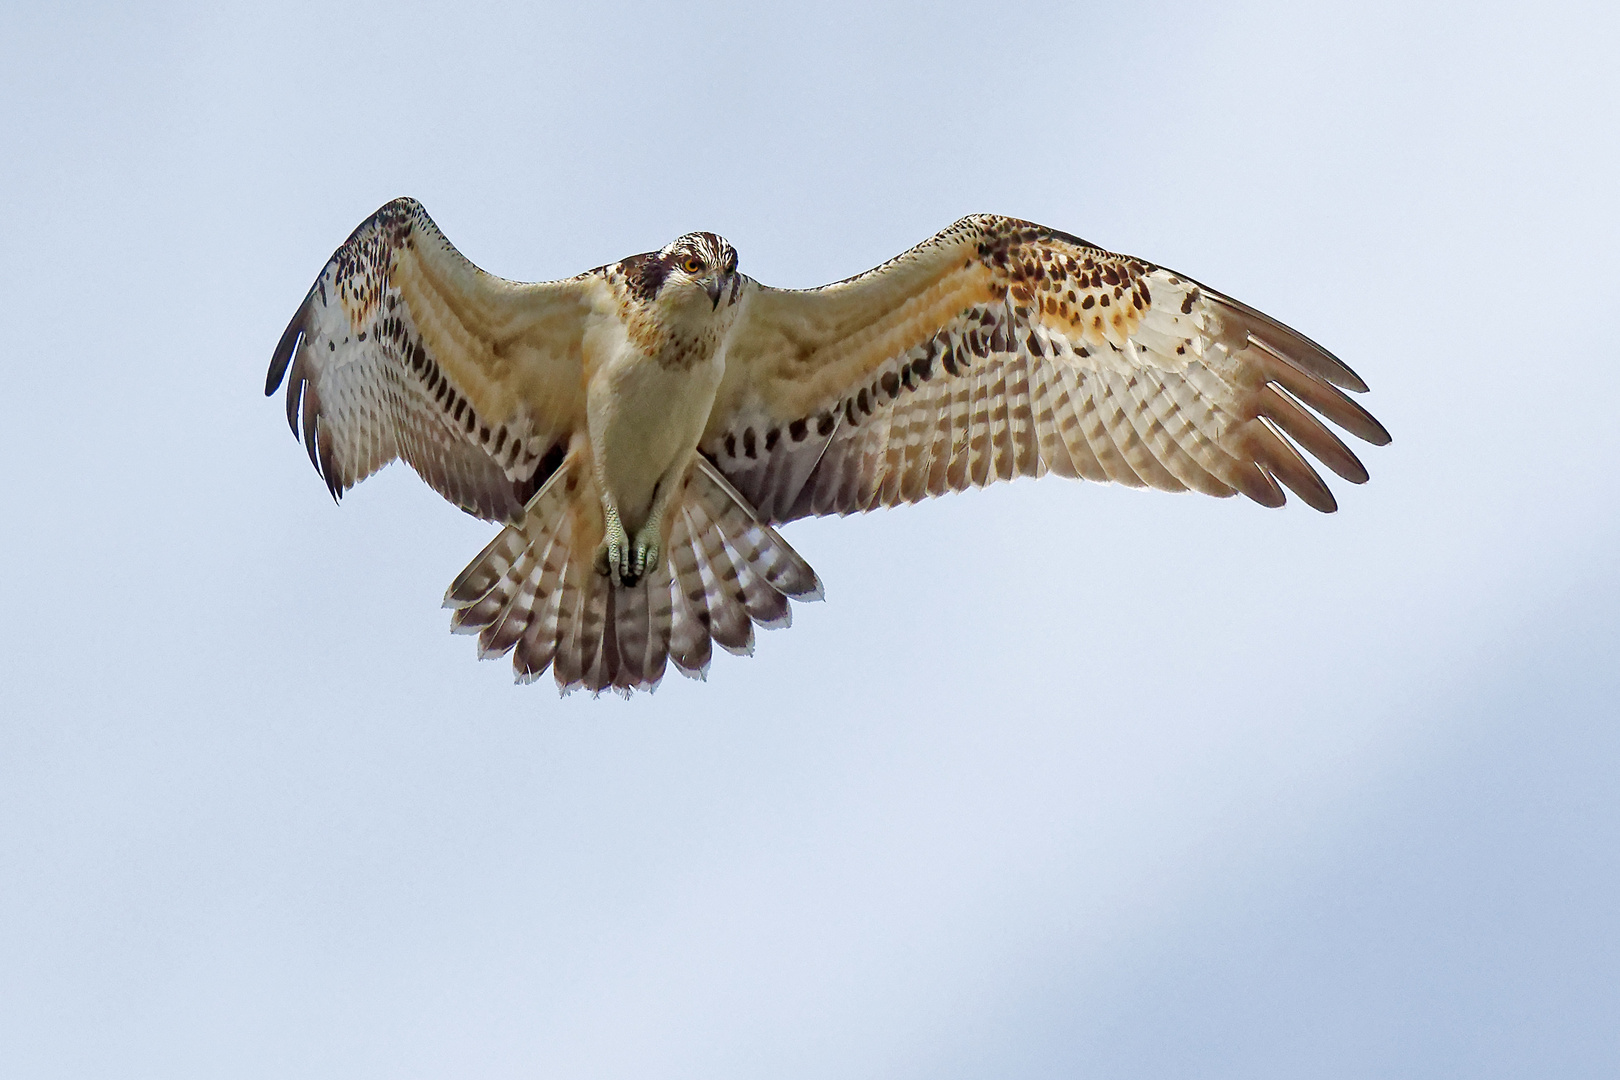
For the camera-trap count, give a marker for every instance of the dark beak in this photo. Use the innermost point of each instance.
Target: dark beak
(714, 288)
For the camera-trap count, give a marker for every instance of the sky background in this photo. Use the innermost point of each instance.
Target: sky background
(1062, 780)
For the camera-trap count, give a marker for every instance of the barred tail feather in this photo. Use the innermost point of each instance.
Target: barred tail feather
(535, 591)
(690, 644)
(759, 546)
(729, 624)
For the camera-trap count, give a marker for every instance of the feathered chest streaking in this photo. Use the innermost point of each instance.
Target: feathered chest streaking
(675, 329)
(652, 370)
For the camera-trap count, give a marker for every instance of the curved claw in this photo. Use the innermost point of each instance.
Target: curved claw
(613, 557)
(623, 559)
(646, 556)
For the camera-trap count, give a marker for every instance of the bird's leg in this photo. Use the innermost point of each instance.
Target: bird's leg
(644, 552)
(650, 537)
(624, 558)
(628, 559)
(611, 557)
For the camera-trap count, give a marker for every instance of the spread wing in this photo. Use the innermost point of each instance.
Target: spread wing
(404, 349)
(1000, 348)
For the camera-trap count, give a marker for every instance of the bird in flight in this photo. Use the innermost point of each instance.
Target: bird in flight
(640, 429)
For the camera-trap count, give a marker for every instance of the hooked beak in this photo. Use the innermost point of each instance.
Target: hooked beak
(715, 287)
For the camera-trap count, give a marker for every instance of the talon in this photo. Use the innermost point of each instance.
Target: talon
(646, 548)
(623, 559)
(613, 560)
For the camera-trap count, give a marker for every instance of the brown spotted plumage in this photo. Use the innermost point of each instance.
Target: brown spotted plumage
(1000, 349)
(639, 429)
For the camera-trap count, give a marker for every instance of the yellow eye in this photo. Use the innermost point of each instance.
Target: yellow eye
(692, 264)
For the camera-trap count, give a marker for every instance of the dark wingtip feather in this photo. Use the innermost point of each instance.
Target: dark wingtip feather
(1299, 349)
(1381, 433)
(1325, 398)
(310, 414)
(1352, 381)
(1281, 460)
(287, 346)
(295, 394)
(1258, 485)
(1301, 426)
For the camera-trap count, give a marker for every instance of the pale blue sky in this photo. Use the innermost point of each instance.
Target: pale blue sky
(1062, 780)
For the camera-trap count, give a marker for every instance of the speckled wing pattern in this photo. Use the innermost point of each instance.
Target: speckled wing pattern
(1000, 348)
(404, 349)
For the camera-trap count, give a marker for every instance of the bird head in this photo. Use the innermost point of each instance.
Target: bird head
(699, 264)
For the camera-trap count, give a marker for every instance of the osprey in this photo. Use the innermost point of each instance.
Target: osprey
(638, 430)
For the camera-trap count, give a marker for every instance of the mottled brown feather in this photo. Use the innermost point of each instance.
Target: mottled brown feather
(403, 348)
(1000, 348)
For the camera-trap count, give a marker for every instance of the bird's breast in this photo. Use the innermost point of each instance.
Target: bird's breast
(645, 416)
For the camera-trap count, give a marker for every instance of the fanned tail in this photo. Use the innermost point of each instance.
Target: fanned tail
(535, 590)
